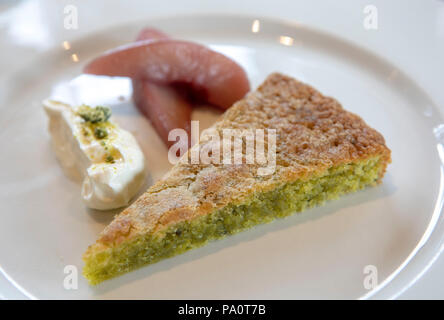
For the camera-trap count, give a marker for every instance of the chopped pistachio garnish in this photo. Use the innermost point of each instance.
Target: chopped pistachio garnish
(96, 126)
(94, 115)
(85, 132)
(100, 132)
(109, 158)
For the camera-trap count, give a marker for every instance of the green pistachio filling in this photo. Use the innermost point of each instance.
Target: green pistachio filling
(258, 209)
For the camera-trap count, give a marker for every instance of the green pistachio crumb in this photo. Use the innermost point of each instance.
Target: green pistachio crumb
(94, 115)
(110, 159)
(100, 133)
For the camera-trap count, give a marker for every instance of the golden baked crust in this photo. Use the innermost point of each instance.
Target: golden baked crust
(314, 133)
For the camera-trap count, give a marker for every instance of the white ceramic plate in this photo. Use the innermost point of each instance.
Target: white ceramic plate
(321, 253)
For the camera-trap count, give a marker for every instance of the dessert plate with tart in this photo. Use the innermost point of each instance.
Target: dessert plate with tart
(134, 216)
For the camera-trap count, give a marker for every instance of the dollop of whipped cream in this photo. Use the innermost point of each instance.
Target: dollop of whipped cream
(93, 149)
